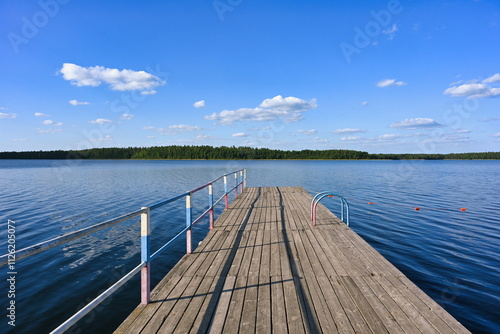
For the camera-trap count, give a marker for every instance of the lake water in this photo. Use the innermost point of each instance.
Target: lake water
(452, 255)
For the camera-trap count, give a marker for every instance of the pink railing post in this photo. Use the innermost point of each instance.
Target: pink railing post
(145, 257)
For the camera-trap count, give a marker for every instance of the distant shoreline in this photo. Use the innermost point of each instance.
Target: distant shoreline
(233, 153)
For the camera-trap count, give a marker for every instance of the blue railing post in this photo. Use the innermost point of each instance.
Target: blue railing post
(226, 199)
(145, 257)
(235, 185)
(240, 181)
(211, 205)
(189, 232)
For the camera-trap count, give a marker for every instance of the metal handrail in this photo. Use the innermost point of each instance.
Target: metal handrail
(146, 257)
(344, 206)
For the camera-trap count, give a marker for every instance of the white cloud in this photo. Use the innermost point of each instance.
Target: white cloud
(451, 139)
(127, 117)
(292, 104)
(100, 121)
(199, 104)
(49, 130)
(493, 119)
(7, 115)
(318, 140)
(106, 139)
(364, 103)
(240, 134)
(390, 137)
(50, 122)
(122, 80)
(173, 129)
(201, 138)
(390, 82)
(472, 91)
(493, 78)
(39, 114)
(497, 135)
(390, 31)
(183, 127)
(456, 83)
(288, 108)
(148, 92)
(416, 123)
(308, 132)
(78, 103)
(348, 131)
(19, 139)
(351, 138)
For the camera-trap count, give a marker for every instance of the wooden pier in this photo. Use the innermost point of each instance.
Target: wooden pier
(265, 269)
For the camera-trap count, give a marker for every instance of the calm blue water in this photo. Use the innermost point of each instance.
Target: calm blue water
(451, 255)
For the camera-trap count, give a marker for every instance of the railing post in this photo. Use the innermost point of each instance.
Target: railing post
(241, 181)
(244, 178)
(189, 232)
(145, 254)
(235, 185)
(226, 199)
(211, 205)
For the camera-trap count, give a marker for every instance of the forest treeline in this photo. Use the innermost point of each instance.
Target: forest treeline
(231, 153)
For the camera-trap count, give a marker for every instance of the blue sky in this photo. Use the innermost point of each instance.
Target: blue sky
(378, 76)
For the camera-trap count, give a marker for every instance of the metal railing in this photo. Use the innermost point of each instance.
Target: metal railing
(344, 206)
(146, 257)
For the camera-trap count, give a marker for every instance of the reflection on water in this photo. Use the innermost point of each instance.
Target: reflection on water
(451, 255)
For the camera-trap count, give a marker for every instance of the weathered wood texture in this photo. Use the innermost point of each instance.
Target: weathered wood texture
(265, 269)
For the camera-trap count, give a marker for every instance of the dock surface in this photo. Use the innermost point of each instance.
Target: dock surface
(265, 269)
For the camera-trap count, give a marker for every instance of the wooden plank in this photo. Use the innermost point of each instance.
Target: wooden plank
(371, 317)
(254, 269)
(376, 304)
(416, 300)
(265, 259)
(336, 309)
(279, 322)
(232, 321)
(255, 273)
(167, 305)
(436, 308)
(355, 318)
(318, 301)
(220, 264)
(148, 312)
(379, 294)
(181, 306)
(207, 309)
(263, 321)
(329, 259)
(275, 253)
(415, 316)
(294, 317)
(248, 254)
(249, 314)
(222, 307)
